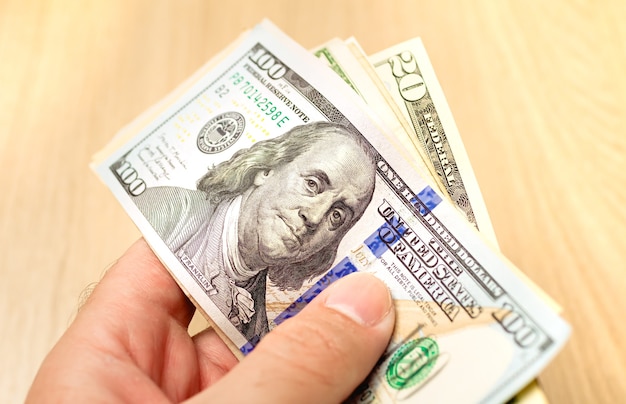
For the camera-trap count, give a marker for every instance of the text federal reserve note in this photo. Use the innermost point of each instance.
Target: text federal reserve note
(267, 179)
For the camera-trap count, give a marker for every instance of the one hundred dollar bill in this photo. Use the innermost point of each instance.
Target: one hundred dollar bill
(410, 79)
(266, 179)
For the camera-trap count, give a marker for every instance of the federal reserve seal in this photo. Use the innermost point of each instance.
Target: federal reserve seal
(221, 132)
(412, 363)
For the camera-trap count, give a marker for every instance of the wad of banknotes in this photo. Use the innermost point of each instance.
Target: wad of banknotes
(275, 170)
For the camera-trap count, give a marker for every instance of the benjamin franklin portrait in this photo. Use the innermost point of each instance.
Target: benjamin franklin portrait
(277, 210)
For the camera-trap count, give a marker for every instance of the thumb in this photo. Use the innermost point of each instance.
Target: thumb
(320, 355)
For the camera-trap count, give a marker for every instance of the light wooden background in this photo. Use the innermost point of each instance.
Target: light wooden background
(538, 90)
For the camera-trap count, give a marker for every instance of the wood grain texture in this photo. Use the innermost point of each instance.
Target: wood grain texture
(537, 89)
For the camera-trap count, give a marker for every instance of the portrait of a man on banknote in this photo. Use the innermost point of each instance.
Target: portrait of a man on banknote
(277, 210)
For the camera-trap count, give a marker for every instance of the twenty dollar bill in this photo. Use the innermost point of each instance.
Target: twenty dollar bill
(410, 79)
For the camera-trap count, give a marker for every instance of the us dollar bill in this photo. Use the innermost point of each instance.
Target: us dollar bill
(266, 179)
(411, 81)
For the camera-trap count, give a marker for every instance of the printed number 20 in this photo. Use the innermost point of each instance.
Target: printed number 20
(410, 83)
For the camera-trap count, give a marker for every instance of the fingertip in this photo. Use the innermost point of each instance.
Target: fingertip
(361, 297)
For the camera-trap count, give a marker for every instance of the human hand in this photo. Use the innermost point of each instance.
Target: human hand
(129, 343)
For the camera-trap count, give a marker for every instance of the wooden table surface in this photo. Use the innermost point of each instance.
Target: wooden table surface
(538, 90)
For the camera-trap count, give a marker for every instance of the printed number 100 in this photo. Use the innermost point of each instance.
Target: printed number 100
(128, 176)
(267, 62)
(515, 324)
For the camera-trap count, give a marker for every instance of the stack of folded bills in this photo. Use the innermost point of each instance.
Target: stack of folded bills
(275, 170)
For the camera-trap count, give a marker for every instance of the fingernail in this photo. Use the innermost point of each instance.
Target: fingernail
(361, 297)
